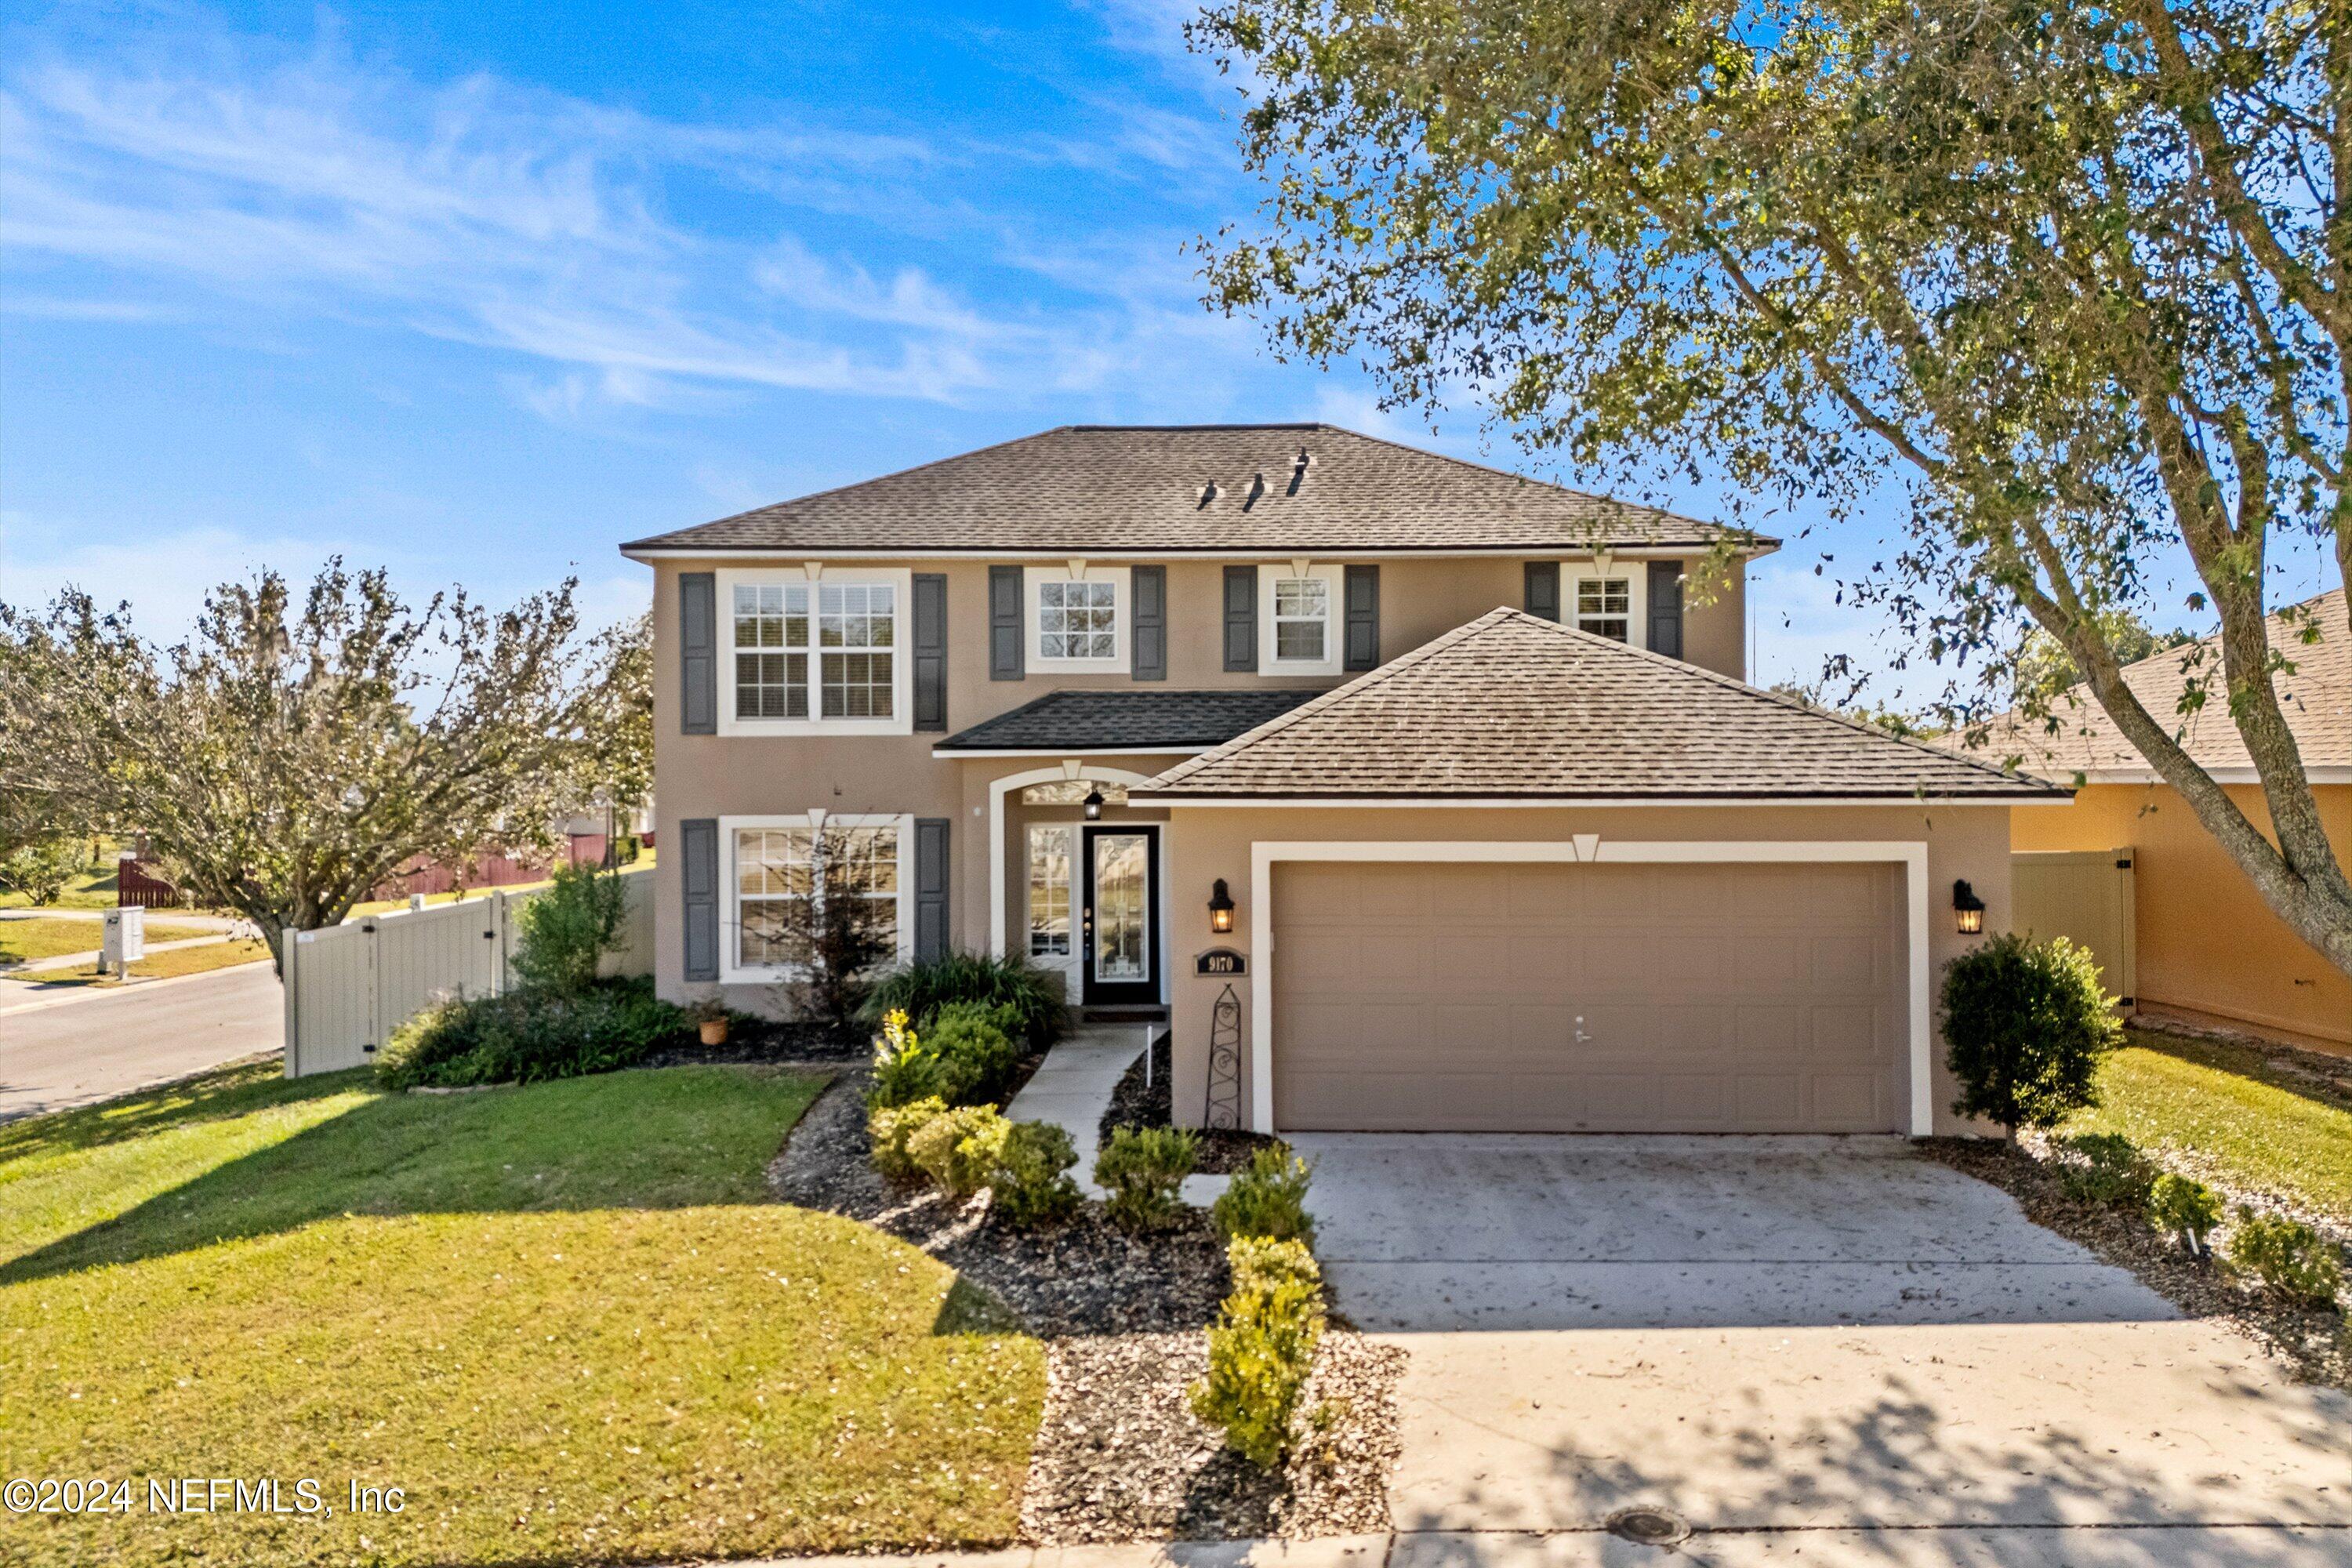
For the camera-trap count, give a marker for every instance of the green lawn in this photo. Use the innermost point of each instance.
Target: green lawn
(158, 965)
(22, 941)
(2261, 1128)
(92, 888)
(565, 1320)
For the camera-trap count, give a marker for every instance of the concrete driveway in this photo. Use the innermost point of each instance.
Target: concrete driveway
(1823, 1351)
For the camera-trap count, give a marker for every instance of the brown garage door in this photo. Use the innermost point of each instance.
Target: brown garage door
(1589, 998)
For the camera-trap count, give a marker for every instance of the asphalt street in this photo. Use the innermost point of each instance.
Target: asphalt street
(58, 1052)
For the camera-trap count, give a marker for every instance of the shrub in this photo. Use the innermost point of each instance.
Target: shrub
(1141, 1168)
(2105, 1168)
(567, 930)
(890, 1126)
(905, 1068)
(976, 1057)
(1033, 1182)
(1262, 1347)
(2289, 1257)
(959, 1147)
(2026, 1025)
(529, 1036)
(2186, 1209)
(1268, 1199)
(920, 989)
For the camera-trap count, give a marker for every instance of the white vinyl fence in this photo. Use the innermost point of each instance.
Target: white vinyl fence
(348, 987)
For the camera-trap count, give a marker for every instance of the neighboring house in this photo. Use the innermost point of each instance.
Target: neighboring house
(1418, 794)
(2194, 939)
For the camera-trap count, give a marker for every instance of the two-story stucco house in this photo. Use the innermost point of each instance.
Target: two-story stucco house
(1417, 794)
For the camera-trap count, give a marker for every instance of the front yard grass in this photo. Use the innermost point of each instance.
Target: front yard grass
(565, 1320)
(23, 940)
(169, 965)
(2232, 1108)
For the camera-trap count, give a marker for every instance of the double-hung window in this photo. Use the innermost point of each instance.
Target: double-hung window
(784, 875)
(1605, 605)
(815, 652)
(1302, 616)
(1078, 620)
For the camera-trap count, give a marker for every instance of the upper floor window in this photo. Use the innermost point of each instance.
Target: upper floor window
(1302, 615)
(1605, 605)
(822, 653)
(1078, 620)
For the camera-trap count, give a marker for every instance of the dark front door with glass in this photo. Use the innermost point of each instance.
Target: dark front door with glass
(1118, 940)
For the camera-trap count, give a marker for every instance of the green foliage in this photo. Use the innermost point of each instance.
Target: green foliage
(976, 1057)
(1267, 1200)
(529, 1036)
(2105, 1168)
(2026, 1025)
(890, 1127)
(1033, 1182)
(957, 1149)
(1262, 1347)
(905, 1068)
(41, 868)
(2291, 1259)
(922, 988)
(568, 928)
(2185, 1209)
(1141, 1168)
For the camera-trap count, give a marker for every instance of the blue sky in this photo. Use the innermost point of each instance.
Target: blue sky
(476, 291)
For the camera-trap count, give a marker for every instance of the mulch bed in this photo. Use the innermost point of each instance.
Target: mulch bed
(1223, 1151)
(768, 1041)
(1119, 1456)
(2317, 1344)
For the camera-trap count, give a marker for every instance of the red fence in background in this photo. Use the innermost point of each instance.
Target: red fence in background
(136, 887)
(136, 883)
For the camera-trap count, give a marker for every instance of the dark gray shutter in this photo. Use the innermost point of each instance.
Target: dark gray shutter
(1241, 617)
(697, 647)
(1543, 589)
(1150, 623)
(698, 840)
(930, 887)
(1005, 650)
(930, 650)
(1666, 608)
(1363, 618)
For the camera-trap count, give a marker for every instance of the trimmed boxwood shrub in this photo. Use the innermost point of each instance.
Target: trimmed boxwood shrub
(529, 1036)
(1268, 1199)
(958, 1148)
(2105, 1168)
(2026, 1025)
(2185, 1209)
(1140, 1170)
(975, 1051)
(2290, 1258)
(889, 1128)
(1032, 1183)
(922, 988)
(1262, 1347)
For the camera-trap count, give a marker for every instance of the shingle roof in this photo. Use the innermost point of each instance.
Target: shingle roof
(1097, 488)
(1096, 721)
(2316, 697)
(1512, 705)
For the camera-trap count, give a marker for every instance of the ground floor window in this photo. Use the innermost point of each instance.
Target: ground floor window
(783, 875)
(1049, 892)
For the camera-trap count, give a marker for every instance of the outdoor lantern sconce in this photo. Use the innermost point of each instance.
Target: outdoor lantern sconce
(1220, 908)
(1967, 907)
(1094, 803)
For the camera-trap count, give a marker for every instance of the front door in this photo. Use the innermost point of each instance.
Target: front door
(1118, 942)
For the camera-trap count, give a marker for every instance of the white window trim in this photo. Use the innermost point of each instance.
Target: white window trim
(1067, 962)
(732, 972)
(1333, 619)
(902, 661)
(1637, 594)
(1122, 609)
(997, 868)
(1910, 854)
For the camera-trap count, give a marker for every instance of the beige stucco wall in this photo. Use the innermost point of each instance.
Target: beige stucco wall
(1209, 842)
(722, 776)
(2207, 944)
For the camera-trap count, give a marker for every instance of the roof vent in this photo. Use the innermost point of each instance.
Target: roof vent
(1298, 472)
(1258, 488)
(1208, 492)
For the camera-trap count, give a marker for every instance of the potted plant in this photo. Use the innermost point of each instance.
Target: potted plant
(709, 1019)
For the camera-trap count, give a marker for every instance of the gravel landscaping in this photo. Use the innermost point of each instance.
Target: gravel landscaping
(1224, 1152)
(1119, 1456)
(2317, 1343)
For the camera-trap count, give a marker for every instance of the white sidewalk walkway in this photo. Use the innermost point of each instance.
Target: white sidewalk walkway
(1073, 1087)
